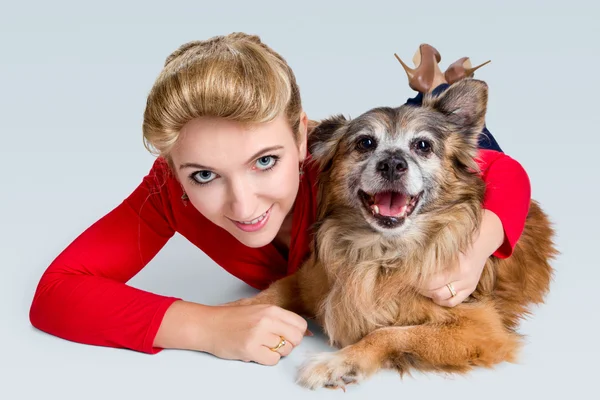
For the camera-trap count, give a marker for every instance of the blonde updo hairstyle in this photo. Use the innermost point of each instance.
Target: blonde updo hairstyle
(236, 77)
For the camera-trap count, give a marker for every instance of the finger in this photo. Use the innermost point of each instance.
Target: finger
(461, 296)
(437, 281)
(443, 293)
(266, 356)
(274, 340)
(291, 333)
(456, 300)
(291, 318)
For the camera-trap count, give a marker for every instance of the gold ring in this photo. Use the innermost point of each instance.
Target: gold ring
(451, 289)
(282, 343)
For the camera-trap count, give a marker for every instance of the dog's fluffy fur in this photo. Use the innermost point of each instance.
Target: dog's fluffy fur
(360, 280)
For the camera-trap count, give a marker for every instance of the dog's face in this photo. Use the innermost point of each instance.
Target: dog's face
(391, 164)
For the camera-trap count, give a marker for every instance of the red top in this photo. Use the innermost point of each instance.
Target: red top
(83, 296)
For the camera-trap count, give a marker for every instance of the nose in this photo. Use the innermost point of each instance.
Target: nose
(242, 201)
(392, 168)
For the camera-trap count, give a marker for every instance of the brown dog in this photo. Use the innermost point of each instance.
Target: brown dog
(399, 197)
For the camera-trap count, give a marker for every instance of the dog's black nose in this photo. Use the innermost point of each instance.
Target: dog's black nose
(392, 168)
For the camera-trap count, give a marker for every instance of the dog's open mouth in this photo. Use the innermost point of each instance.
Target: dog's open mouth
(389, 208)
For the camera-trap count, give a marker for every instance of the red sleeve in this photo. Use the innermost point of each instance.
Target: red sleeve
(82, 295)
(508, 194)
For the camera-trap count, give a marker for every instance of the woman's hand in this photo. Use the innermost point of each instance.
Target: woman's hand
(464, 278)
(248, 332)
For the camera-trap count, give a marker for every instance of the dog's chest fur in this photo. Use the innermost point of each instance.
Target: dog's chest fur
(360, 300)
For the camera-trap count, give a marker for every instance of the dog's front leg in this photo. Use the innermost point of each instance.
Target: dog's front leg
(284, 293)
(447, 347)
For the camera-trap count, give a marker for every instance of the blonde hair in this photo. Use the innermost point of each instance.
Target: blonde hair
(234, 76)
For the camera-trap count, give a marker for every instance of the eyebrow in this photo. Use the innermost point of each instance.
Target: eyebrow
(199, 166)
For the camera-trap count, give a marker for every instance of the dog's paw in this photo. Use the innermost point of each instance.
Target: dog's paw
(329, 370)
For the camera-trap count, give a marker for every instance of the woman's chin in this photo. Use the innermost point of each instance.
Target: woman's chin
(255, 240)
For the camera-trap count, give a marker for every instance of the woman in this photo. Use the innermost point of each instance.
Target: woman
(233, 176)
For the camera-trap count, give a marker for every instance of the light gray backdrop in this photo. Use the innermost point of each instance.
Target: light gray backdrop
(73, 83)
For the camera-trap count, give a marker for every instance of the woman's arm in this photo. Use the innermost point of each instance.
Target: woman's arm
(508, 195)
(506, 204)
(82, 296)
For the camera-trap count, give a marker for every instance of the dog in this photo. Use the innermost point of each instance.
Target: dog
(399, 197)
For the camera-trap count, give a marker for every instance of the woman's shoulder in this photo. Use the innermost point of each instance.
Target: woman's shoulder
(155, 195)
(158, 181)
(487, 158)
(160, 171)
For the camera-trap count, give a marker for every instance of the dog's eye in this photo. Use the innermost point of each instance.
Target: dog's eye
(423, 146)
(366, 143)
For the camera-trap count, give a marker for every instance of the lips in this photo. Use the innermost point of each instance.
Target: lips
(255, 220)
(255, 224)
(389, 208)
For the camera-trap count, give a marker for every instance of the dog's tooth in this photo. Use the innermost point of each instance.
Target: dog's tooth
(402, 212)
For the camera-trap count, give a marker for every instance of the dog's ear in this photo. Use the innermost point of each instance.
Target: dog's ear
(464, 104)
(323, 139)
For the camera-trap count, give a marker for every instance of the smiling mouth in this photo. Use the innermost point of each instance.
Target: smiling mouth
(389, 208)
(255, 220)
(254, 225)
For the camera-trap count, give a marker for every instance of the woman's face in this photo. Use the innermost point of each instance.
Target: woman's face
(243, 179)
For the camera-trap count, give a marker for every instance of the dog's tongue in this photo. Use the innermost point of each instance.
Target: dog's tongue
(390, 203)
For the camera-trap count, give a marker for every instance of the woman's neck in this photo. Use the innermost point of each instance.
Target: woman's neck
(284, 237)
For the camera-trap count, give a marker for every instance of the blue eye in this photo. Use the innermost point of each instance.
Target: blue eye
(203, 176)
(266, 162)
